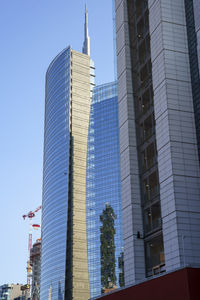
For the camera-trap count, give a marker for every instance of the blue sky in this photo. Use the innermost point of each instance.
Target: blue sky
(32, 33)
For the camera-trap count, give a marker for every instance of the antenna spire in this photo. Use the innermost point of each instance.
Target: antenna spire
(86, 43)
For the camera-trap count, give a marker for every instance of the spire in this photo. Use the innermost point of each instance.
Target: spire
(86, 43)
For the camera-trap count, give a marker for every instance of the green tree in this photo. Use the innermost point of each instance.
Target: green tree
(108, 275)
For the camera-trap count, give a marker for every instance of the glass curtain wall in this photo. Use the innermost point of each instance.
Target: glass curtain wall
(55, 178)
(192, 11)
(104, 193)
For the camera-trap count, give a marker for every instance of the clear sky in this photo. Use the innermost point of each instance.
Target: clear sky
(32, 33)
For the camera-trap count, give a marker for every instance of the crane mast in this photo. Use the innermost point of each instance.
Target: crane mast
(30, 216)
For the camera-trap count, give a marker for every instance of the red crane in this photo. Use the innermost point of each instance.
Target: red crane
(30, 216)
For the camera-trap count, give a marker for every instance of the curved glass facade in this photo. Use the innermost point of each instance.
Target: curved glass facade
(55, 177)
(103, 181)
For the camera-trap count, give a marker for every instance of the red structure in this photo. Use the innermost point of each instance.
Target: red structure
(182, 284)
(30, 216)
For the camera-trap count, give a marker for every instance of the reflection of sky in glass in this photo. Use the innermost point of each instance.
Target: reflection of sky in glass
(55, 176)
(197, 25)
(196, 4)
(103, 177)
(192, 9)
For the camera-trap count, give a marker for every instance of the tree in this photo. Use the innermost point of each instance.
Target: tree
(107, 249)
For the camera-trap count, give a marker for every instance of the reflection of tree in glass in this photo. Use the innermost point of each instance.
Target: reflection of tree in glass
(121, 267)
(108, 276)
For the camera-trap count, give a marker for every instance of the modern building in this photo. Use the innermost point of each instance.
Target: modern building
(35, 261)
(104, 190)
(10, 291)
(159, 102)
(64, 266)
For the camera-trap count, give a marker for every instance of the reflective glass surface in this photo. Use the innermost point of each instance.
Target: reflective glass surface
(196, 4)
(103, 178)
(55, 178)
(197, 25)
(193, 33)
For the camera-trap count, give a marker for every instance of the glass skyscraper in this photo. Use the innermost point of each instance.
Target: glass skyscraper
(55, 178)
(103, 189)
(64, 269)
(64, 266)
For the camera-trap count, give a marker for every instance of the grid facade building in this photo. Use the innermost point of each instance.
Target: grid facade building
(158, 94)
(64, 268)
(103, 181)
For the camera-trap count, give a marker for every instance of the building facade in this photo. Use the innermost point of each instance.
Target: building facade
(64, 265)
(159, 134)
(64, 268)
(35, 261)
(10, 291)
(103, 186)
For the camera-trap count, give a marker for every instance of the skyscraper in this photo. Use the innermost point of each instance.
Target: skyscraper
(104, 192)
(158, 92)
(64, 267)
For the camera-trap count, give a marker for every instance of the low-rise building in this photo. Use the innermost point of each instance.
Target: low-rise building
(35, 264)
(10, 291)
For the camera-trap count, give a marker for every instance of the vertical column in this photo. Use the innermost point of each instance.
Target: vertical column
(80, 93)
(175, 133)
(134, 261)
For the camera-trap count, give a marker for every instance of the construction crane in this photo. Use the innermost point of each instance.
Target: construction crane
(30, 216)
